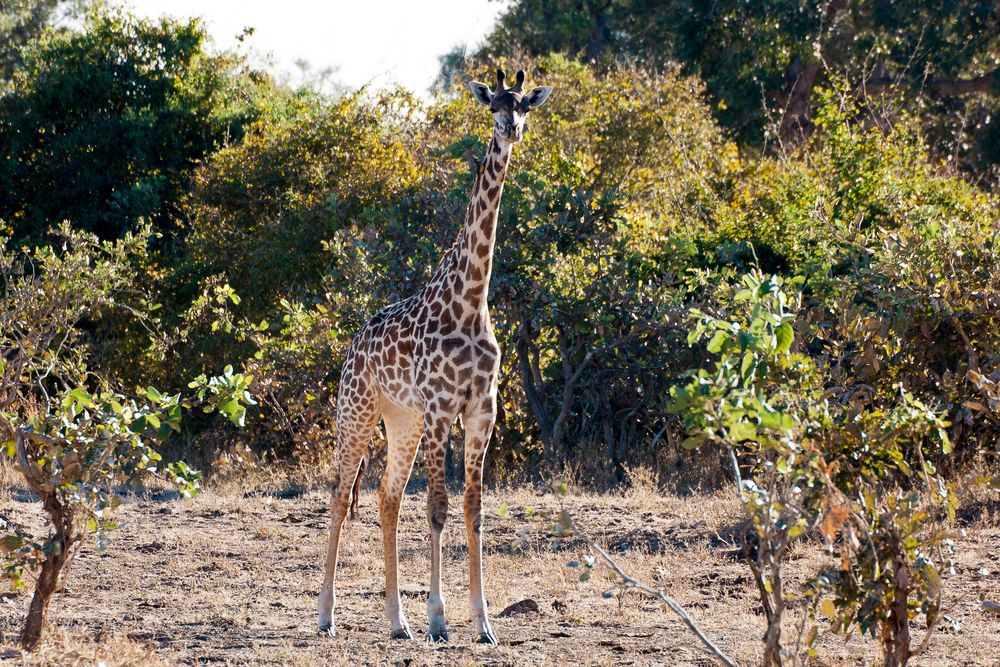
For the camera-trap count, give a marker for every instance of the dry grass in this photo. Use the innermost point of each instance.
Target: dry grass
(81, 649)
(231, 578)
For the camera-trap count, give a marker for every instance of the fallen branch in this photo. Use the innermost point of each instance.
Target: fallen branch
(631, 582)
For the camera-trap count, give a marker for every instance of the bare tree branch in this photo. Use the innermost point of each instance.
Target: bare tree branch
(940, 86)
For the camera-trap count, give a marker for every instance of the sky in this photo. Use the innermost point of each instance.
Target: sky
(366, 41)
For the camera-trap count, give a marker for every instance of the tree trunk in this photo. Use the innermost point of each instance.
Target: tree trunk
(599, 31)
(801, 78)
(772, 643)
(54, 568)
(536, 402)
(896, 632)
(795, 124)
(48, 584)
(772, 638)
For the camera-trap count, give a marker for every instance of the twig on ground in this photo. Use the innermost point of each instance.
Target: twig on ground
(631, 582)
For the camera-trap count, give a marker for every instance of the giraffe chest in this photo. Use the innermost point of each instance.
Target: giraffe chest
(436, 353)
(457, 360)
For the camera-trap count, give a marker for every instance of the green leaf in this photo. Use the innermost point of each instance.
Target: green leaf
(742, 431)
(945, 441)
(693, 441)
(81, 397)
(502, 510)
(238, 416)
(718, 340)
(784, 335)
(138, 426)
(747, 366)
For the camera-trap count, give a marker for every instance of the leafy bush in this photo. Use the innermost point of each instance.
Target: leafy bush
(300, 175)
(763, 62)
(821, 465)
(74, 437)
(624, 207)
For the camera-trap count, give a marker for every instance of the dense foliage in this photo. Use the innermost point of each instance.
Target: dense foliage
(762, 61)
(820, 465)
(626, 206)
(71, 433)
(102, 127)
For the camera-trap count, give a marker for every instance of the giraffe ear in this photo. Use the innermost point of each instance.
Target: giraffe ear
(537, 96)
(481, 92)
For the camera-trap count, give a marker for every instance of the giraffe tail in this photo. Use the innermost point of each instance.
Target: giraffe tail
(356, 489)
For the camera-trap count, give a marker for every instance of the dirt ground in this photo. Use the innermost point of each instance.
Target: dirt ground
(231, 578)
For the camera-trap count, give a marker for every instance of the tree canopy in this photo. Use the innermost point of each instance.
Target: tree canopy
(102, 127)
(763, 61)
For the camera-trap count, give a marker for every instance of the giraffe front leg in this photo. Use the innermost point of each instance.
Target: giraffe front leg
(403, 430)
(436, 428)
(478, 429)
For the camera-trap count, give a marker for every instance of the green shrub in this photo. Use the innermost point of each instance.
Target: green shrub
(74, 437)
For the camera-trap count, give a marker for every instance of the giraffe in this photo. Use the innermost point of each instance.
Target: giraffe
(419, 365)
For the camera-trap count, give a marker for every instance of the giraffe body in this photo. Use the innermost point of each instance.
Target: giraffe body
(419, 365)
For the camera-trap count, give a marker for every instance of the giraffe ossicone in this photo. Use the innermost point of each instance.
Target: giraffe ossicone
(420, 364)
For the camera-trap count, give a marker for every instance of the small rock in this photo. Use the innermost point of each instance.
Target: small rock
(526, 606)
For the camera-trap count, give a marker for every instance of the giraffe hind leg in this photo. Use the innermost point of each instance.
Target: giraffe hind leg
(436, 429)
(357, 415)
(478, 428)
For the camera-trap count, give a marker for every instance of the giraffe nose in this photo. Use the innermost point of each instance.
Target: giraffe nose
(509, 128)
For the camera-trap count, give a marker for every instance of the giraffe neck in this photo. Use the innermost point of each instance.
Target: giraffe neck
(472, 264)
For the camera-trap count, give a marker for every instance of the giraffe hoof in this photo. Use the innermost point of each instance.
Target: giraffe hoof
(435, 637)
(487, 638)
(327, 631)
(402, 633)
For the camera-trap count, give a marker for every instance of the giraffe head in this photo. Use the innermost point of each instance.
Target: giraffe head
(510, 106)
